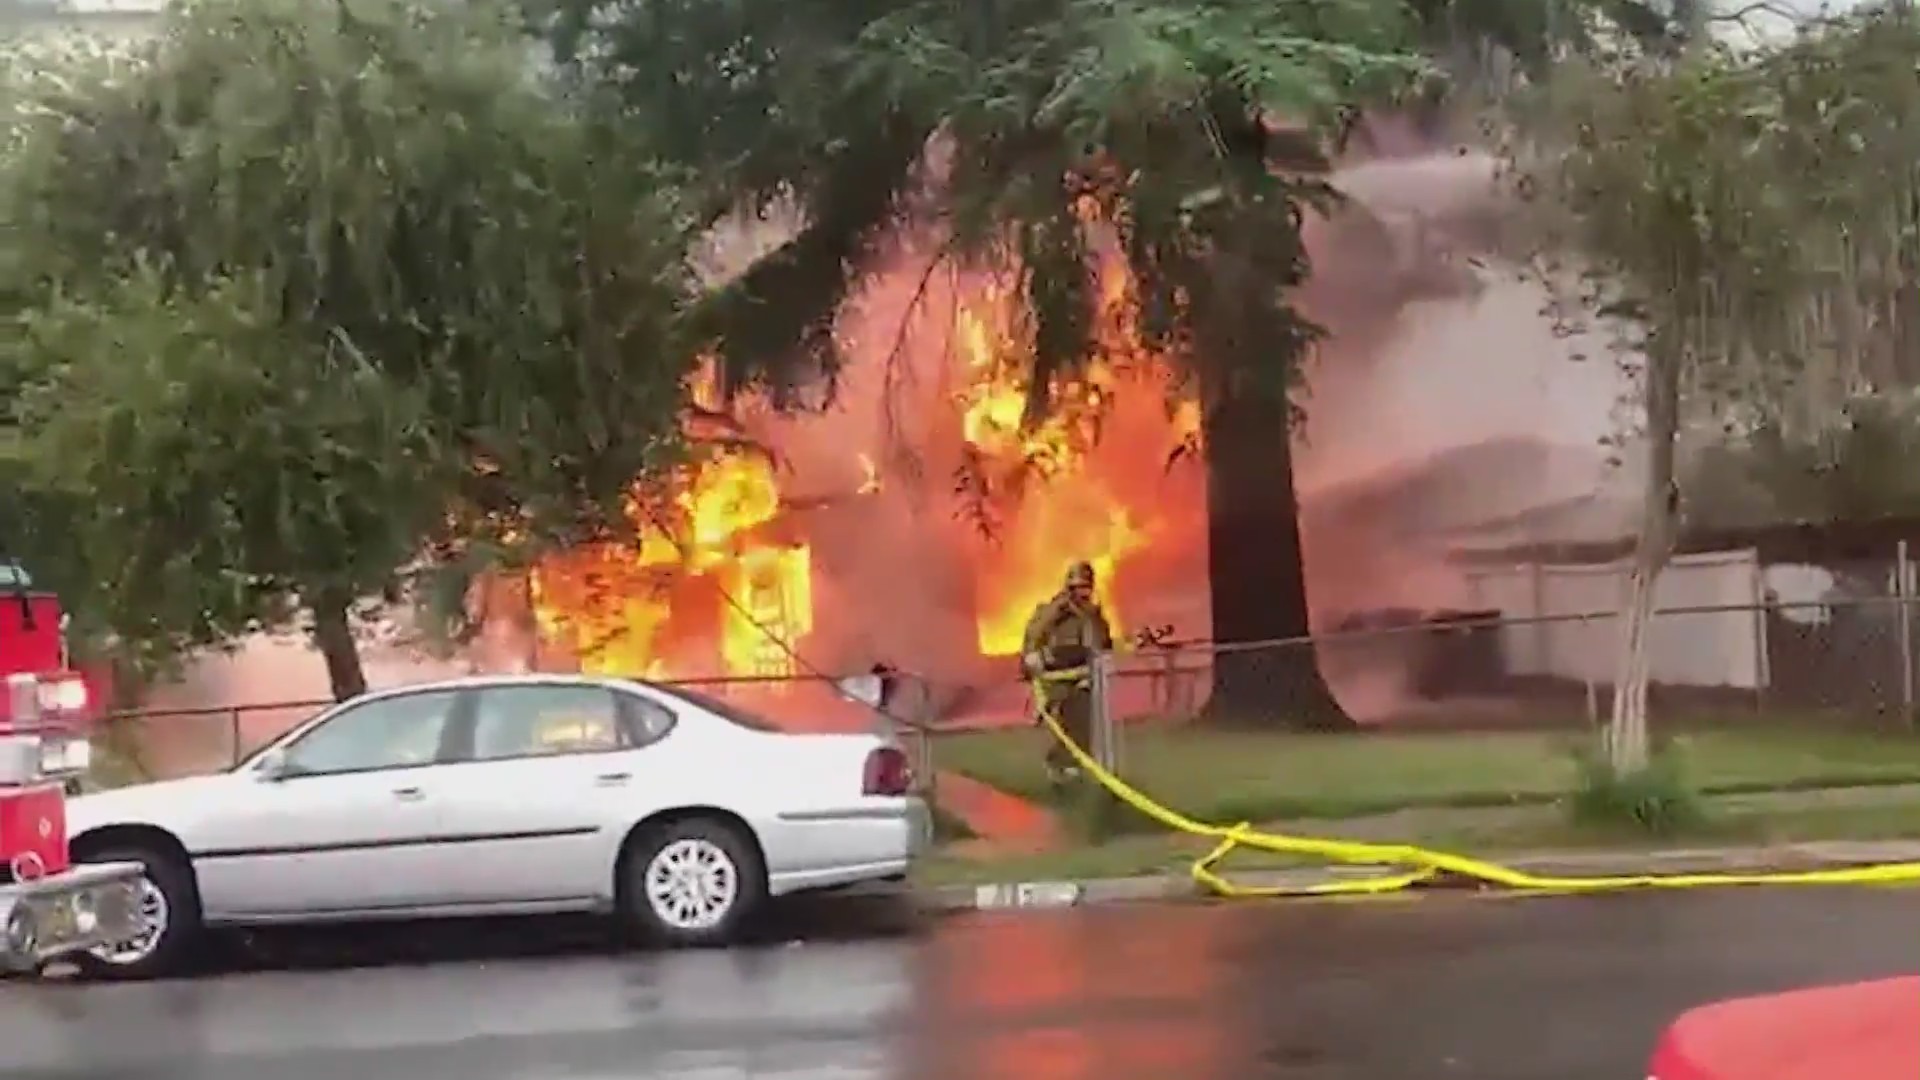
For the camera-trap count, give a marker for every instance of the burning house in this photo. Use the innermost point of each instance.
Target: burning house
(915, 521)
(810, 543)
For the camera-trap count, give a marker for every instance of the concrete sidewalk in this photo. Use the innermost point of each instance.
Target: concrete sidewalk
(1776, 858)
(1397, 825)
(1006, 823)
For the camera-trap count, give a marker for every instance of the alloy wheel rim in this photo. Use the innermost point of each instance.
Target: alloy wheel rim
(153, 912)
(692, 884)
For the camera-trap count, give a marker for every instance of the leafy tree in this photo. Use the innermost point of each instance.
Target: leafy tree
(448, 253)
(1827, 438)
(1855, 467)
(1194, 134)
(222, 494)
(1716, 204)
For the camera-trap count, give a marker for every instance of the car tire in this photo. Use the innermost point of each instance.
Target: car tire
(168, 894)
(691, 883)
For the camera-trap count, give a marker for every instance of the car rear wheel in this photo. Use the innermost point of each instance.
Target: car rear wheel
(169, 916)
(691, 883)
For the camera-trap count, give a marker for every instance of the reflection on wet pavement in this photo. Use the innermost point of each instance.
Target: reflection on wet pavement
(1065, 996)
(1564, 988)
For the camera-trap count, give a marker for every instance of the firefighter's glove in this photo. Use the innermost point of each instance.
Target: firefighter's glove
(1031, 665)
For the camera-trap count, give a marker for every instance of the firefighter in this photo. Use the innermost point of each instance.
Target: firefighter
(1065, 633)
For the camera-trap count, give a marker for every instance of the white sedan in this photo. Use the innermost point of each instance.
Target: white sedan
(521, 794)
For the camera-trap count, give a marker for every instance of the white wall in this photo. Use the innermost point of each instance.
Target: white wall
(1717, 648)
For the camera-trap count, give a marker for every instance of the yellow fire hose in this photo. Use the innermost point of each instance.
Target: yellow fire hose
(1415, 865)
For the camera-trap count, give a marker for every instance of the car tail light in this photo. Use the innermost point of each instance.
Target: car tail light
(888, 773)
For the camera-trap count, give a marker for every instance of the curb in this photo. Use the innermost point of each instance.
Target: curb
(1779, 858)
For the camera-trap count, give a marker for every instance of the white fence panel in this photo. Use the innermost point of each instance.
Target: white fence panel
(1718, 648)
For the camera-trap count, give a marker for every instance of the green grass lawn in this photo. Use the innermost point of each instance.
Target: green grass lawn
(1731, 821)
(1228, 776)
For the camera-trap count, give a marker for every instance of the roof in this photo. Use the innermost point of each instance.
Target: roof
(1480, 490)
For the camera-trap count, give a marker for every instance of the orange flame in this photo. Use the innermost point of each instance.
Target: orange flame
(1078, 515)
(717, 583)
(708, 576)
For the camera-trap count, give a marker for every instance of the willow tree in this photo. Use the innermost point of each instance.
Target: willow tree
(339, 288)
(1746, 219)
(1831, 443)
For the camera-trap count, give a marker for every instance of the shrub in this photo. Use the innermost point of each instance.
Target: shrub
(1657, 800)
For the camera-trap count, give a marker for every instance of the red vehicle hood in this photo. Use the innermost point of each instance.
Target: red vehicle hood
(1867, 1031)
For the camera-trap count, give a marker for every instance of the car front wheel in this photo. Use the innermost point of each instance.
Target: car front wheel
(169, 920)
(692, 882)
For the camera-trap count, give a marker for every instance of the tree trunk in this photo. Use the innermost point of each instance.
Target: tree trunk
(1255, 574)
(1628, 747)
(1903, 305)
(333, 635)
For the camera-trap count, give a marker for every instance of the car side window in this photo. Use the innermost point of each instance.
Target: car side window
(537, 721)
(648, 721)
(384, 733)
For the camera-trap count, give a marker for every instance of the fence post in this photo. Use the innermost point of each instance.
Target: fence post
(1593, 691)
(1762, 661)
(919, 715)
(1903, 601)
(1166, 693)
(1105, 746)
(233, 736)
(923, 758)
(1542, 626)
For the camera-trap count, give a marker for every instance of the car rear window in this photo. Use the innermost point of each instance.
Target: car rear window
(726, 710)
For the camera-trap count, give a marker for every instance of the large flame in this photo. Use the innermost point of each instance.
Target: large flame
(707, 576)
(1064, 509)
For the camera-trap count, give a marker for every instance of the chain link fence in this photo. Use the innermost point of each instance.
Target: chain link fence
(1730, 641)
(1783, 663)
(1849, 659)
(1734, 646)
(1779, 678)
(163, 744)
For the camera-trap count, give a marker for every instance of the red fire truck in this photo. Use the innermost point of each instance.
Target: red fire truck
(49, 908)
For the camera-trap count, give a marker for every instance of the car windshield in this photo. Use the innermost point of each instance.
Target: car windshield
(292, 724)
(726, 710)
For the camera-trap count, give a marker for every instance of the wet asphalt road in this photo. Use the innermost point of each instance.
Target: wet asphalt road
(1445, 986)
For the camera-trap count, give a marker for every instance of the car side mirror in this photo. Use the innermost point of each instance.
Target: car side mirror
(273, 767)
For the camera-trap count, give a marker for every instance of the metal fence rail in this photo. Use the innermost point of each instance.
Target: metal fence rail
(1849, 659)
(168, 743)
(1778, 660)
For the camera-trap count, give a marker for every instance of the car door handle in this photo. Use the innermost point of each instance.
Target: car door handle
(409, 794)
(612, 779)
